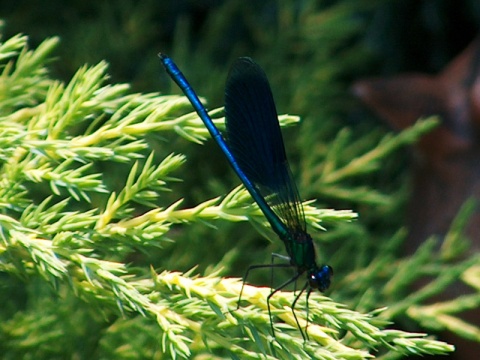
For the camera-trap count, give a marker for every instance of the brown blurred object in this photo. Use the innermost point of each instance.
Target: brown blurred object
(447, 166)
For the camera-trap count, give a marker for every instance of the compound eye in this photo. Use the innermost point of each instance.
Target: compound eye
(312, 281)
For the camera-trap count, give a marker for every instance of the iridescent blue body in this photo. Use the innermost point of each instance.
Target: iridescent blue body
(254, 148)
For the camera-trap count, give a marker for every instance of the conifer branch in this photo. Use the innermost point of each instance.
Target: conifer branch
(63, 222)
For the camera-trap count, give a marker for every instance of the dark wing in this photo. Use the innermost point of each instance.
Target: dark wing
(255, 140)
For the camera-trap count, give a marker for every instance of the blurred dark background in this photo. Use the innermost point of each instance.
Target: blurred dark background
(405, 35)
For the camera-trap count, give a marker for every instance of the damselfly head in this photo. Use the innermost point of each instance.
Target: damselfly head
(319, 278)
